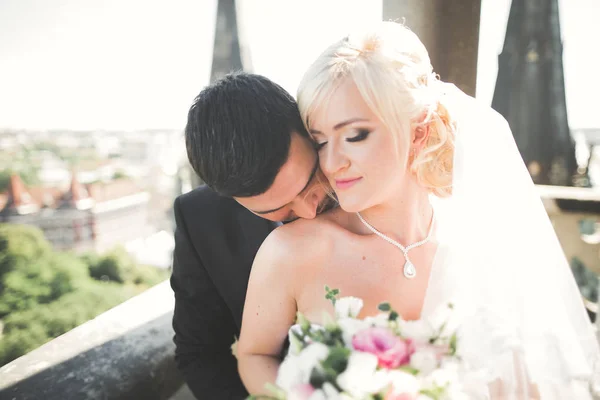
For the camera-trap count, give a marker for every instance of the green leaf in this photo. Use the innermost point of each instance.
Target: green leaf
(331, 294)
(453, 344)
(303, 322)
(393, 316)
(384, 307)
(317, 378)
(435, 393)
(409, 370)
(337, 360)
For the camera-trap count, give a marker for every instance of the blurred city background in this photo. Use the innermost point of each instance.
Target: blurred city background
(94, 98)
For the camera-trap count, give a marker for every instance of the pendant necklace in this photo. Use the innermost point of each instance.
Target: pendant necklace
(409, 269)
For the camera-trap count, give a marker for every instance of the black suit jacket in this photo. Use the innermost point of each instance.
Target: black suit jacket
(216, 241)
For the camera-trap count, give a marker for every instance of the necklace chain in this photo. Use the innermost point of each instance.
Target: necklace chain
(409, 270)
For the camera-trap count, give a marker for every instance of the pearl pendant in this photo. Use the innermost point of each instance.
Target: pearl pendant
(409, 270)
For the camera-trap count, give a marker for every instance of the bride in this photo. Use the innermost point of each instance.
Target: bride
(436, 205)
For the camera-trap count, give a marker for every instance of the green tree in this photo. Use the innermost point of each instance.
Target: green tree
(33, 274)
(115, 266)
(26, 330)
(21, 244)
(45, 293)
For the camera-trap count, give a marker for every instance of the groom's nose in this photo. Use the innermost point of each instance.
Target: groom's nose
(306, 206)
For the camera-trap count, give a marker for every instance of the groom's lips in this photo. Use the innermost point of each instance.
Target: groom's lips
(346, 183)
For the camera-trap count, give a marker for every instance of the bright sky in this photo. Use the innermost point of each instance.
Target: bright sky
(133, 64)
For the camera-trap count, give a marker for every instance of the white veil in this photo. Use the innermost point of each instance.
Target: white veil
(501, 263)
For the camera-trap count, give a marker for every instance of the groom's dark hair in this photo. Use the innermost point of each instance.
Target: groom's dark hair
(238, 133)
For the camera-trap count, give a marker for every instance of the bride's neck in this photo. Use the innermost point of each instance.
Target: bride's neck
(406, 219)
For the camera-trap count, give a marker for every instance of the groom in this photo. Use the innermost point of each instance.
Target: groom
(246, 140)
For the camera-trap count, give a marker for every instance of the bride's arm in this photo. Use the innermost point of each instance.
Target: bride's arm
(269, 312)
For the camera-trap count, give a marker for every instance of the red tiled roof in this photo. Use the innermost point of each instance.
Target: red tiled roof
(52, 196)
(113, 190)
(17, 195)
(76, 192)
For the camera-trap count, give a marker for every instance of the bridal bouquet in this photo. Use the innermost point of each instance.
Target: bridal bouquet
(379, 358)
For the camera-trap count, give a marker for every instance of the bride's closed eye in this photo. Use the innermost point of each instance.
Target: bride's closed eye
(362, 135)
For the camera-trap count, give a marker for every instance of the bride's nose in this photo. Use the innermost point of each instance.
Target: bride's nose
(332, 160)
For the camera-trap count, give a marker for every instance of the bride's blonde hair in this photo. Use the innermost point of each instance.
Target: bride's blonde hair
(392, 71)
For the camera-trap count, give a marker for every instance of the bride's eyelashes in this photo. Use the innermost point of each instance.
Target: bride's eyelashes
(362, 135)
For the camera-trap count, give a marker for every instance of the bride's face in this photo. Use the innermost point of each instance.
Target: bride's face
(357, 152)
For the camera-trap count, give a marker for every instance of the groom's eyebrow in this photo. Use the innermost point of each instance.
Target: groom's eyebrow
(310, 178)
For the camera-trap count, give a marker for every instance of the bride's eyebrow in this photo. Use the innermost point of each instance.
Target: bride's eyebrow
(340, 125)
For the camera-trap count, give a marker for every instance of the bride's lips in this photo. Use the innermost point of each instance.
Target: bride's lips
(345, 183)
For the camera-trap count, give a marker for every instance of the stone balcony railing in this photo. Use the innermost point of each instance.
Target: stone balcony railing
(127, 352)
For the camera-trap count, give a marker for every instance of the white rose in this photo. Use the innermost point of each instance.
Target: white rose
(425, 360)
(350, 327)
(348, 307)
(295, 343)
(310, 357)
(403, 382)
(379, 321)
(420, 330)
(331, 393)
(447, 375)
(327, 392)
(289, 374)
(357, 379)
(317, 395)
(296, 369)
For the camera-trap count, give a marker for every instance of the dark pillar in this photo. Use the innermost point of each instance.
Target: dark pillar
(450, 31)
(227, 52)
(530, 91)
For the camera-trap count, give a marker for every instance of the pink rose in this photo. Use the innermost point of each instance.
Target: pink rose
(391, 350)
(301, 392)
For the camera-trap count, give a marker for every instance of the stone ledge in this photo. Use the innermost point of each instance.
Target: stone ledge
(124, 353)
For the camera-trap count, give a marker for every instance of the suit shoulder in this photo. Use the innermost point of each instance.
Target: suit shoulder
(202, 200)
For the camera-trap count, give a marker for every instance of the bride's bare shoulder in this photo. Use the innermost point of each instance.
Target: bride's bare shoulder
(303, 241)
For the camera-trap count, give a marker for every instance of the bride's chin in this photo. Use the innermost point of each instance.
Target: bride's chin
(351, 205)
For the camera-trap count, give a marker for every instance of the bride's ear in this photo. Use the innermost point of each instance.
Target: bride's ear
(420, 133)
